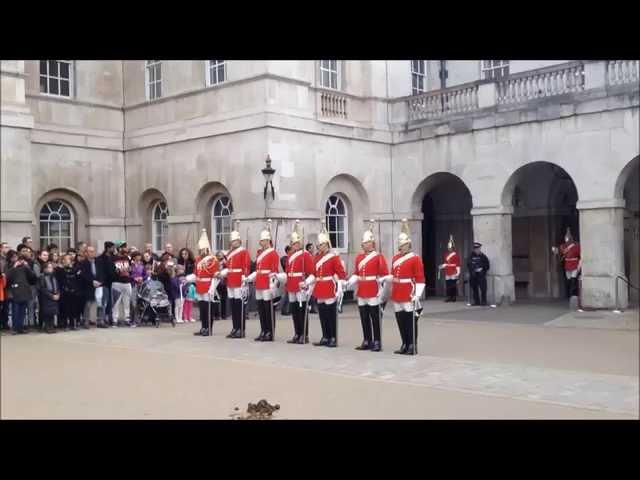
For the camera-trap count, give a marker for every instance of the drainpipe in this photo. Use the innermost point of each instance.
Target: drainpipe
(390, 157)
(124, 163)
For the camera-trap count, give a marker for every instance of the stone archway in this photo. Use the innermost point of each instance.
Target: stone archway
(543, 197)
(628, 188)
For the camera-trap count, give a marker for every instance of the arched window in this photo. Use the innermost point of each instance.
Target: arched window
(221, 212)
(337, 224)
(56, 225)
(160, 226)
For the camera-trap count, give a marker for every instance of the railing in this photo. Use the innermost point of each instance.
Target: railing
(547, 82)
(333, 105)
(620, 72)
(437, 104)
(619, 277)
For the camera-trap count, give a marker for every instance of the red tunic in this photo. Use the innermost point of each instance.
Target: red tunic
(326, 267)
(205, 270)
(571, 254)
(451, 261)
(369, 266)
(238, 264)
(267, 262)
(299, 266)
(407, 269)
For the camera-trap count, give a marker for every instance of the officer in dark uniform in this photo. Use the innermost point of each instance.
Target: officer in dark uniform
(478, 265)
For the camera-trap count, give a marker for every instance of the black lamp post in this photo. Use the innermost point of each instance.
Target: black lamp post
(268, 173)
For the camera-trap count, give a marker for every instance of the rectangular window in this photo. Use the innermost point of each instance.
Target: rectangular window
(55, 77)
(154, 79)
(216, 72)
(329, 75)
(494, 69)
(418, 77)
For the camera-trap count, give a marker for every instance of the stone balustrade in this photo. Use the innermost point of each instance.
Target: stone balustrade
(620, 72)
(333, 105)
(546, 82)
(428, 106)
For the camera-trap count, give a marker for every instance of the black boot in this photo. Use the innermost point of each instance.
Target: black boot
(376, 346)
(232, 333)
(294, 339)
(364, 346)
(259, 338)
(268, 337)
(402, 350)
(323, 341)
(333, 343)
(411, 350)
(401, 328)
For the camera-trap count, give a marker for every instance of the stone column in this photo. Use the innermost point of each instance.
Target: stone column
(492, 228)
(602, 250)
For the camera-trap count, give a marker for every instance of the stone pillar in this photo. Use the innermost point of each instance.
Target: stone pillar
(602, 251)
(492, 228)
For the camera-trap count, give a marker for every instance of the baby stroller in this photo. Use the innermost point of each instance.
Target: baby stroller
(153, 304)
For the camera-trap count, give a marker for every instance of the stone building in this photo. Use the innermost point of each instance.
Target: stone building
(508, 153)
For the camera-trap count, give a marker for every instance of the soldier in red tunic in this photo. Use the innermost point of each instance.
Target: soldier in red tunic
(236, 271)
(267, 267)
(406, 290)
(451, 267)
(569, 253)
(299, 267)
(327, 285)
(370, 268)
(206, 269)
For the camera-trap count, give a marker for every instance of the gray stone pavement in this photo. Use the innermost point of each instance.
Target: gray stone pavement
(587, 369)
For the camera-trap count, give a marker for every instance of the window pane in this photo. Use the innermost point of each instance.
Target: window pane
(43, 67)
(221, 73)
(64, 88)
(158, 72)
(64, 70)
(334, 80)
(44, 229)
(325, 78)
(152, 75)
(158, 90)
(54, 229)
(43, 84)
(53, 86)
(334, 65)
(53, 68)
(340, 240)
(65, 229)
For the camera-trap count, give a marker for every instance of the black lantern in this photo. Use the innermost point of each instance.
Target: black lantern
(268, 173)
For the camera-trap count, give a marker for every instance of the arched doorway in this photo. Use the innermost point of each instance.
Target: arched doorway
(631, 195)
(446, 208)
(543, 197)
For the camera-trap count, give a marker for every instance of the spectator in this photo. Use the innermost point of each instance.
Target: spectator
(19, 279)
(28, 255)
(187, 260)
(189, 289)
(220, 309)
(81, 247)
(28, 242)
(72, 299)
(165, 273)
(168, 249)
(284, 300)
(4, 301)
(38, 268)
(73, 253)
(147, 259)
(89, 275)
(54, 257)
(121, 286)
(105, 275)
(52, 248)
(177, 280)
(49, 297)
(138, 276)
(149, 248)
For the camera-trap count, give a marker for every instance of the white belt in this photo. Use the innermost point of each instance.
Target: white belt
(372, 277)
(324, 278)
(264, 271)
(572, 258)
(402, 280)
(295, 274)
(235, 270)
(204, 278)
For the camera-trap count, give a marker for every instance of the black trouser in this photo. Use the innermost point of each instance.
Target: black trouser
(370, 317)
(452, 289)
(328, 319)
(4, 314)
(221, 308)
(70, 309)
(46, 320)
(237, 314)
(406, 328)
(298, 315)
(205, 310)
(267, 315)
(572, 287)
(479, 281)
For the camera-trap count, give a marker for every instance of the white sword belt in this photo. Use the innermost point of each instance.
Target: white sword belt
(572, 258)
(204, 279)
(263, 271)
(402, 280)
(295, 274)
(235, 270)
(364, 279)
(324, 278)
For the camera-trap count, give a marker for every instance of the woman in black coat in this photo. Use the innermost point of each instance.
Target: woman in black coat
(48, 297)
(72, 301)
(19, 279)
(186, 258)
